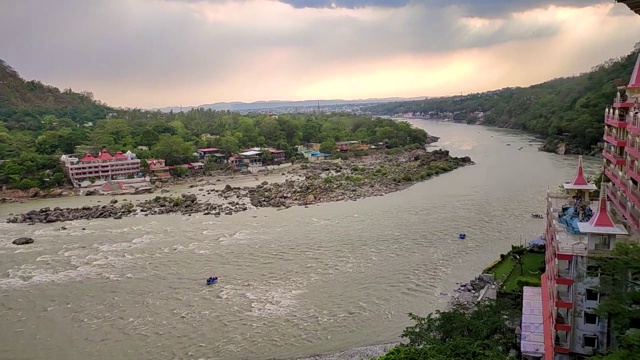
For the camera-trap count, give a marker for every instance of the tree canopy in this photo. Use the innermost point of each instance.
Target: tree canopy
(620, 298)
(39, 123)
(465, 333)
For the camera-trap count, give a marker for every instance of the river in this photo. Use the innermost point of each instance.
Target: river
(293, 283)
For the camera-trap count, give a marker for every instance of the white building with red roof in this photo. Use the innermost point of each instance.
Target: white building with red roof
(105, 167)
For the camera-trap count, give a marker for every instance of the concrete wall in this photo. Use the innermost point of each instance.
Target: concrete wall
(580, 305)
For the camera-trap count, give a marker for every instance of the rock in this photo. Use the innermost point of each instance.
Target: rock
(22, 241)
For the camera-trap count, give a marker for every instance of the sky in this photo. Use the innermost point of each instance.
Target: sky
(156, 53)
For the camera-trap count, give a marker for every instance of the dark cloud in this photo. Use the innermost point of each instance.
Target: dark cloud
(487, 8)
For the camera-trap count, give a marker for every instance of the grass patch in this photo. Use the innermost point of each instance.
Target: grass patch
(503, 269)
(531, 263)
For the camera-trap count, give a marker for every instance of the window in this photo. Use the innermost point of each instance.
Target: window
(590, 341)
(590, 319)
(592, 295)
(593, 271)
(603, 242)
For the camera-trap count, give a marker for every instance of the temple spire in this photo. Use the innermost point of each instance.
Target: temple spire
(601, 221)
(602, 218)
(634, 81)
(580, 179)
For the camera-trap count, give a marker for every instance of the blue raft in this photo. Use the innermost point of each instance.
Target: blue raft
(462, 236)
(212, 280)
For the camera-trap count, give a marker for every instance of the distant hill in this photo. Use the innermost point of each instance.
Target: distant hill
(569, 110)
(276, 104)
(21, 100)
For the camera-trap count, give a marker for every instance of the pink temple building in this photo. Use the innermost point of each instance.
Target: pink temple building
(577, 229)
(104, 167)
(622, 150)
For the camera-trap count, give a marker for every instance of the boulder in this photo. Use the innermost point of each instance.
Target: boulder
(22, 241)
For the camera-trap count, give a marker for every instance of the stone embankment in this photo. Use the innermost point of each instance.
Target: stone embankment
(482, 287)
(322, 182)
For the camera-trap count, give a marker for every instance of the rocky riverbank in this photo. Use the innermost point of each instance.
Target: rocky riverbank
(317, 183)
(484, 286)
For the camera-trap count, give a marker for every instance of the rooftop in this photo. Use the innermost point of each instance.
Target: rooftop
(571, 234)
(532, 340)
(601, 222)
(251, 153)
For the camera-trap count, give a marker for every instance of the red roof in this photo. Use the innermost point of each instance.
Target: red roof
(601, 218)
(634, 82)
(88, 158)
(104, 155)
(209, 150)
(580, 180)
(120, 155)
(276, 151)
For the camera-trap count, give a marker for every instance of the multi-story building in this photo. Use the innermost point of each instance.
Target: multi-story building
(104, 167)
(622, 150)
(577, 229)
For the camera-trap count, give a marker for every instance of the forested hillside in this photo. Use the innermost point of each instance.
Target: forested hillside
(570, 109)
(22, 102)
(38, 123)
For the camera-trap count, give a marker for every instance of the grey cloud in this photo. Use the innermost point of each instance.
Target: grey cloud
(149, 44)
(485, 8)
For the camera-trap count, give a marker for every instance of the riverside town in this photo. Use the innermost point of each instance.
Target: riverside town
(207, 203)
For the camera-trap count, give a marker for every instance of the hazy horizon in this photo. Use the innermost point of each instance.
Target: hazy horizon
(167, 53)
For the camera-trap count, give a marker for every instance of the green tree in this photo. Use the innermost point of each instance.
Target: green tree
(174, 150)
(464, 332)
(328, 146)
(620, 297)
(229, 144)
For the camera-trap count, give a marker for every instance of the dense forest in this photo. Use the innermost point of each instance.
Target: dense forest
(569, 110)
(38, 123)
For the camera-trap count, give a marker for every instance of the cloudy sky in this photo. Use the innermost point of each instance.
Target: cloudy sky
(155, 53)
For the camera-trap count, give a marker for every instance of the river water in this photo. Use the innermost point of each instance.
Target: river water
(294, 283)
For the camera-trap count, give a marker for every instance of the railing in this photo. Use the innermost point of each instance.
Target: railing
(564, 296)
(616, 138)
(562, 344)
(564, 273)
(614, 155)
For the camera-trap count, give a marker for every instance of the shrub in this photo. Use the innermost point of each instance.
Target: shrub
(527, 281)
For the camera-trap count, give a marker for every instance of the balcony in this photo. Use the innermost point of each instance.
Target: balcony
(613, 157)
(562, 343)
(619, 122)
(634, 126)
(614, 140)
(633, 152)
(612, 173)
(563, 300)
(622, 101)
(633, 174)
(564, 277)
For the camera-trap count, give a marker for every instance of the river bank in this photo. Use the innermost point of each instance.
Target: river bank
(481, 287)
(312, 184)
